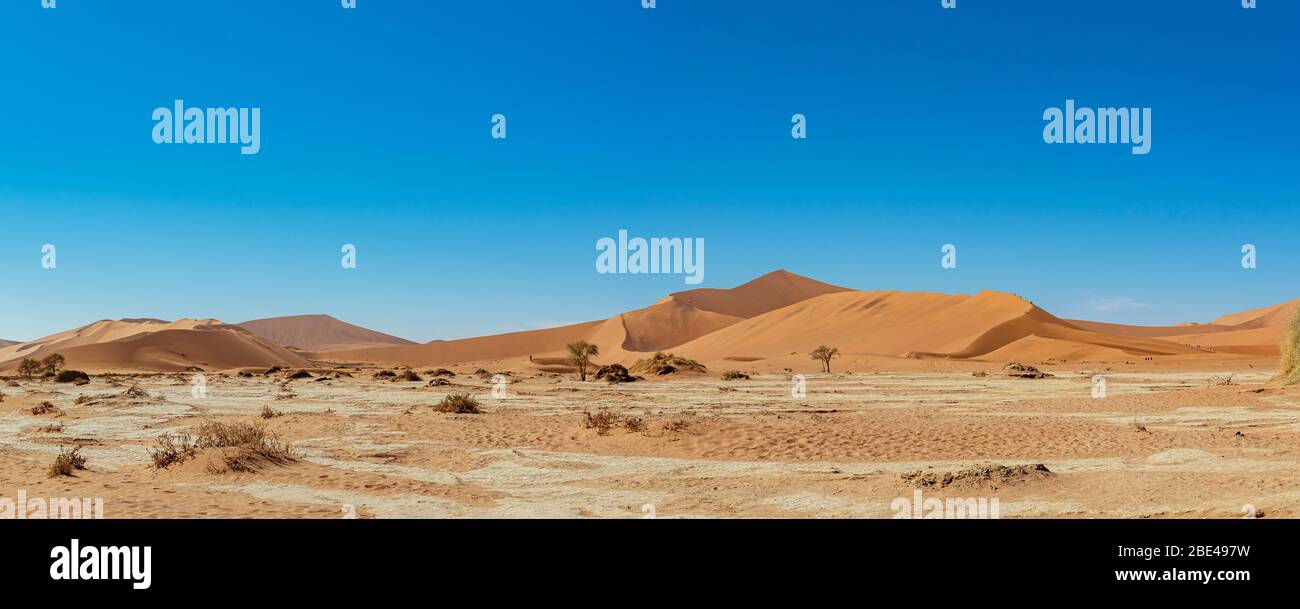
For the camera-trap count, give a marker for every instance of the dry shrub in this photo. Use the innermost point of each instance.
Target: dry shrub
(634, 424)
(81, 399)
(602, 421)
(665, 363)
(46, 408)
(270, 413)
(66, 462)
(407, 375)
(254, 444)
(458, 403)
(55, 428)
(677, 425)
(1222, 380)
(135, 392)
(734, 375)
(1289, 371)
(385, 374)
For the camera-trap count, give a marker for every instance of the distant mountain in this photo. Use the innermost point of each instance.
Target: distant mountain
(319, 333)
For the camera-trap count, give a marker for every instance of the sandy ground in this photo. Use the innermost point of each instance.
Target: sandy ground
(1160, 444)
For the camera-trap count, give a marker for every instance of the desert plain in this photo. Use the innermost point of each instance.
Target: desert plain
(981, 396)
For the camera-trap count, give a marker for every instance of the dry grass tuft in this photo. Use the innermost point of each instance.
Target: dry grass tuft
(46, 408)
(67, 462)
(458, 403)
(253, 442)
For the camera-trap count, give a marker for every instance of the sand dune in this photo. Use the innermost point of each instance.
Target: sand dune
(152, 344)
(770, 322)
(9, 343)
(1256, 332)
(319, 333)
(989, 325)
(677, 319)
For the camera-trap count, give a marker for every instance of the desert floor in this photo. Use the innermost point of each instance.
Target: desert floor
(1160, 444)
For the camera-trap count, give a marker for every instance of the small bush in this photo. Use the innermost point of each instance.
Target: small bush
(135, 392)
(734, 375)
(407, 376)
(253, 441)
(1222, 380)
(45, 408)
(71, 376)
(297, 374)
(1289, 368)
(385, 374)
(614, 373)
(602, 421)
(458, 403)
(81, 399)
(270, 413)
(440, 372)
(677, 425)
(634, 424)
(67, 462)
(665, 363)
(55, 428)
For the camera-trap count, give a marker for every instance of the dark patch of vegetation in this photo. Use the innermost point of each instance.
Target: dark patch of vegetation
(734, 375)
(45, 408)
(407, 376)
(458, 403)
(71, 376)
(614, 373)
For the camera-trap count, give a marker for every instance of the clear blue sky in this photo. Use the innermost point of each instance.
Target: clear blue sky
(924, 128)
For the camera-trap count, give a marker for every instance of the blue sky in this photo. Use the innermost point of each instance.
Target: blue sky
(924, 128)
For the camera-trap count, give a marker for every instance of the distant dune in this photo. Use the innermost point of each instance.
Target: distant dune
(920, 325)
(770, 322)
(1256, 332)
(319, 333)
(678, 318)
(8, 343)
(151, 344)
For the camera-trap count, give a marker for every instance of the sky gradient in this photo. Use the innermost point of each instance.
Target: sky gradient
(924, 128)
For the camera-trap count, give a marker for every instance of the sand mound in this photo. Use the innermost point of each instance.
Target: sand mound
(319, 333)
(984, 475)
(156, 345)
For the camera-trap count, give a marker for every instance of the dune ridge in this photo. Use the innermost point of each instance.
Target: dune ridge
(772, 321)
